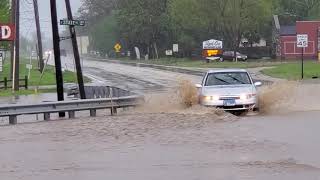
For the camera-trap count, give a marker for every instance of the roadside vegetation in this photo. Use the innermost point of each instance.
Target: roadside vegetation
(7, 93)
(154, 25)
(48, 78)
(292, 71)
(34, 80)
(196, 63)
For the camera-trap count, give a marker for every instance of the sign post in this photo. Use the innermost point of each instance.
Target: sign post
(1, 61)
(302, 42)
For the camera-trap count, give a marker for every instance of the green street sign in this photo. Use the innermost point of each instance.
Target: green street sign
(66, 22)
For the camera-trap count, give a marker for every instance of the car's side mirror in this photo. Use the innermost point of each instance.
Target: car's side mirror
(198, 86)
(258, 84)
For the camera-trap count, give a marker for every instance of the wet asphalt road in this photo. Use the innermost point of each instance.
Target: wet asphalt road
(138, 79)
(157, 146)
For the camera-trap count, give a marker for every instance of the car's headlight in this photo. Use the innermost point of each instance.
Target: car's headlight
(247, 96)
(211, 98)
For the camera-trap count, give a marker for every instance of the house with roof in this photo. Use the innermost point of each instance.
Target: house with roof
(288, 40)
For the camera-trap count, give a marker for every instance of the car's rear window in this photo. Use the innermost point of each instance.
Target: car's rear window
(227, 78)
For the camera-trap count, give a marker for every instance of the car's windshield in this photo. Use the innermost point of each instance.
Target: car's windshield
(227, 78)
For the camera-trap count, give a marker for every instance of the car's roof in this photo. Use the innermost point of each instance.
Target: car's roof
(226, 70)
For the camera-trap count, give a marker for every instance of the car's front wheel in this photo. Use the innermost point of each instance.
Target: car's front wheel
(240, 113)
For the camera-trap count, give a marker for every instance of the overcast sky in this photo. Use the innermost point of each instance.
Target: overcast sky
(27, 16)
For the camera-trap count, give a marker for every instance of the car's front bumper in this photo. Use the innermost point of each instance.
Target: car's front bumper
(236, 108)
(249, 104)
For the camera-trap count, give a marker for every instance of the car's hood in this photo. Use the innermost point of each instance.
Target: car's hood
(228, 90)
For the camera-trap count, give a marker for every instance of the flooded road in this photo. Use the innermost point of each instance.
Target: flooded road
(166, 142)
(182, 146)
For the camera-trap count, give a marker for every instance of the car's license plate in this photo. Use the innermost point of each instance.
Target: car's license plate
(229, 102)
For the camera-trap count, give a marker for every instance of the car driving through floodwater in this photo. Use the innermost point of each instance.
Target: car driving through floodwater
(230, 89)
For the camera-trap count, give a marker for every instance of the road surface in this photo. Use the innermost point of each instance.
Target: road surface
(180, 144)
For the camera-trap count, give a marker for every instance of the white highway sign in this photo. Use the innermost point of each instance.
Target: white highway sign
(302, 40)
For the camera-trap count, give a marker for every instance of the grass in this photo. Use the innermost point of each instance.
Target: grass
(185, 62)
(47, 79)
(6, 93)
(292, 71)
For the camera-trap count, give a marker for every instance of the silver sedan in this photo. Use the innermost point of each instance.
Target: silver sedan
(230, 89)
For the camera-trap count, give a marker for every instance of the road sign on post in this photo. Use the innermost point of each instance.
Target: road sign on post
(302, 42)
(175, 48)
(117, 47)
(67, 22)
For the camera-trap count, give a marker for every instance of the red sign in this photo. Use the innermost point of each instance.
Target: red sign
(7, 32)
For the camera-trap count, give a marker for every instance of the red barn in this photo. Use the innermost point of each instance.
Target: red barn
(288, 40)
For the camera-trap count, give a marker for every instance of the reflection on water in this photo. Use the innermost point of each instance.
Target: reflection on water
(31, 99)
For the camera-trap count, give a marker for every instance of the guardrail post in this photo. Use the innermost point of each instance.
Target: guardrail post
(93, 112)
(71, 114)
(5, 83)
(46, 116)
(13, 120)
(26, 82)
(114, 111)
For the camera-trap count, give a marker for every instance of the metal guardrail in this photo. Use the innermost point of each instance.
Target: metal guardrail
(95, 92)
(12, 111)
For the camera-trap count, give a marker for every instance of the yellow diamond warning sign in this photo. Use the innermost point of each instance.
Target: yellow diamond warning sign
(117, 47)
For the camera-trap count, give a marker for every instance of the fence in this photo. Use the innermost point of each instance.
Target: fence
(5, 83)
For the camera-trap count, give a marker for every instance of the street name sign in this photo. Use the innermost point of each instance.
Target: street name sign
(67, 22)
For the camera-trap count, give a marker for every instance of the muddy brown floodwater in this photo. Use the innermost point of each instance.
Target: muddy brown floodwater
(166, 139)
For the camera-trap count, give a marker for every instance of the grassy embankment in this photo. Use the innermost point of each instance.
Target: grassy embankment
(290, 70)
(48, 78)
(185, 62)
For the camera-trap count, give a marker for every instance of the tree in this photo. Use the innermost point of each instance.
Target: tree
(4, 11)
(141, 21)
(4, 16)
(105, 34)
(227, 20)
(294, 10)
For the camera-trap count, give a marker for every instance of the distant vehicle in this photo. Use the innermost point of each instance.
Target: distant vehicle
(231, 90)
(229, 55)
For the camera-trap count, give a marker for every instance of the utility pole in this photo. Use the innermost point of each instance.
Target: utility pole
(76, 52)
(40, 51)
(56, 48)
(15, 83)
(13, 21)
